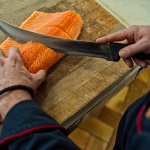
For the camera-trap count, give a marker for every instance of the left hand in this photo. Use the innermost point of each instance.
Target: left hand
(13, 72)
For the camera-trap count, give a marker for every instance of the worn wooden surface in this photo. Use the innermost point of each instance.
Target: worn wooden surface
(75, 80)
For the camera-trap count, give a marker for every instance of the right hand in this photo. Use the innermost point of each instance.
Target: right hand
(138, 37)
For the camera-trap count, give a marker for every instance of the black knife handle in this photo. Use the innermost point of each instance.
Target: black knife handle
(116, 47)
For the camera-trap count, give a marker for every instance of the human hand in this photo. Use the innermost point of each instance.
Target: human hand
(13, 72)
(138, 37)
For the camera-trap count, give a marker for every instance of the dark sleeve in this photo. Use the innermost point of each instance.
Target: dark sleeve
(134, 128)
(28, 127)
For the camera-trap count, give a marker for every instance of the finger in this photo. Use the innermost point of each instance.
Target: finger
(128, 62)
(14, 55)
(13, 51)
(148, 62)
(41, 74)
(1, 119)
(133, 49)
(2, 60)
(125, 41)
(140, 63)
(117, 36)
(39, 78)
(1, 53)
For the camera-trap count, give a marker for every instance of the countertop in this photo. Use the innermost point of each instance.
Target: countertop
(77, 85)
(128, 12)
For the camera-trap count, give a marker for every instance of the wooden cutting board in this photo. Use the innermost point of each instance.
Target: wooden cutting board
(75, 81)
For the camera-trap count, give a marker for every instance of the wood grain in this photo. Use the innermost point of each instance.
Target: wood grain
(75, 81)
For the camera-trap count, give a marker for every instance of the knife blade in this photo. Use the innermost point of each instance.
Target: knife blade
(75, 47)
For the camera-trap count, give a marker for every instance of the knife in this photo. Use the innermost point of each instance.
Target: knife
(76, 47)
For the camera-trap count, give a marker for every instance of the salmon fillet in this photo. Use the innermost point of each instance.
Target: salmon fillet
(37, 56)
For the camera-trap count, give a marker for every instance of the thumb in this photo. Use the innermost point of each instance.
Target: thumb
(39, 77)
(140, 46)
(1, 118)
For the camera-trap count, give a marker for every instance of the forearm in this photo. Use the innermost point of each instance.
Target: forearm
(10, 99)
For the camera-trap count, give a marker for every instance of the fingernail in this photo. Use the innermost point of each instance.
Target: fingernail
(122, 54)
